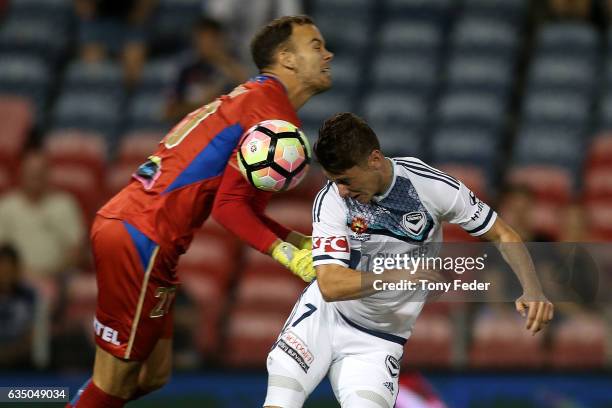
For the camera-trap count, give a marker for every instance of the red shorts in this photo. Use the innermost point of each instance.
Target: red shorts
(136, 287)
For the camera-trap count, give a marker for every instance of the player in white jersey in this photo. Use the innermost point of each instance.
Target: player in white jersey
(346, 328)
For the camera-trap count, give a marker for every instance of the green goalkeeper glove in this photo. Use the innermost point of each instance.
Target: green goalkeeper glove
(298, 261)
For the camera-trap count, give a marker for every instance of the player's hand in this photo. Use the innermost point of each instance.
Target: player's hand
(298, 261)
(538, 311)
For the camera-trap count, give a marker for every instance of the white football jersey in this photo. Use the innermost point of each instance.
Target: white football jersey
(407, 216)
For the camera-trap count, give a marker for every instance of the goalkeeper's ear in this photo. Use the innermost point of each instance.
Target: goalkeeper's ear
(286, 59)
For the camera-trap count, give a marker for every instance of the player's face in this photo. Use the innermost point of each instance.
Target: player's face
(312, 58)
(361, 182)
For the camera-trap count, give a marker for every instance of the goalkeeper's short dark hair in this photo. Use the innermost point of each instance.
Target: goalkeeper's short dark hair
(345, 140)
(268, 39)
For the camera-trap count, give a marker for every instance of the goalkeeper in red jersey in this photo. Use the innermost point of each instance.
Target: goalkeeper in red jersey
(138, 236)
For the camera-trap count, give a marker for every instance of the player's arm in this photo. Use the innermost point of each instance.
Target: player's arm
(338, 282)
(240, 207)
(533, 300)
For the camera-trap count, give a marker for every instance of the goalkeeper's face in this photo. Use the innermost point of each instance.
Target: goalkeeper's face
(363, 181)
(312, 59)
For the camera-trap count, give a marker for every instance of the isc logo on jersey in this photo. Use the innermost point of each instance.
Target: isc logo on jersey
(330, 244)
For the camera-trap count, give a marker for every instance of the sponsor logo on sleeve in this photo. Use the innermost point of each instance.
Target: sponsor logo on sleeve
(330, 244)
(295, 348)
(478, 212)
(393, 366)
(473, 199)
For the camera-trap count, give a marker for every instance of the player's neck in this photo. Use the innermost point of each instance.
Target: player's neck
(297, 93)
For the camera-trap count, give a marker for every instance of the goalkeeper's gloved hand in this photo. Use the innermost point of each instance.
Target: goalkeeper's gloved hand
(298, 261)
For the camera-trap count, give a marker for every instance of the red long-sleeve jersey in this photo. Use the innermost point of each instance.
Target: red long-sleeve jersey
(173, 192)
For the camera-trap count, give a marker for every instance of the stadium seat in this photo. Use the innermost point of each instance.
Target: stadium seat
(325, 105)
(146, 113)
(485, 108)
(569, 109)
(473, 176)
(251, 334)
(104, 76)
(500, 340)
(438, 11)
(431, 342)
(36, 35)
(134, 148)
(172, 23)
(399, 140)
(350, 38)
(599, 213)
(346, 71)
(117, 177)
(479, 73)
(562, 72)
(549, 183)
(16, 120)
(415, 73)
(82, 182)
(295, 215)
(88, 111)
(158, 75)
(78, 148)
(454, 233)
(206, 271)
(598, 183)
(395, 108)
(578, 39)
(415, 36)
(464, 145)
(491, 36)
(559, 146)
(579, 342)
(25, 75)
(600, 151)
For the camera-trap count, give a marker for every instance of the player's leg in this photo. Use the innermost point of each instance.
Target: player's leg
(156, 370)
(365, 371)
(302, 354)
(132, 315)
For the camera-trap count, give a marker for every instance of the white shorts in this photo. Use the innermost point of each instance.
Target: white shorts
(363, 364)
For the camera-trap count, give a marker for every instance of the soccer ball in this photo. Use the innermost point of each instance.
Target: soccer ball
(274, 155)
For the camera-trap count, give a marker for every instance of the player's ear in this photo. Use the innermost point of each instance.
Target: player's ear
(286, 59)
(376, 159)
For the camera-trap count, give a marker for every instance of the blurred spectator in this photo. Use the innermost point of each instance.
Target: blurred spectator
(117, 28)
(45, 226)
(245, 17)
(17, 311)
(577, 9)
(515, 206)
(209, 72)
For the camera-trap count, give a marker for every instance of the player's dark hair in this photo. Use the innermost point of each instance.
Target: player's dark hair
(207, 24)
(269, 38)
(345, 140)
(9, 252)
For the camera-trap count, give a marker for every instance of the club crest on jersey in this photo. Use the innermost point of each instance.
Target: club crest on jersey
(393, 366)
(414, 222)
(359, 225)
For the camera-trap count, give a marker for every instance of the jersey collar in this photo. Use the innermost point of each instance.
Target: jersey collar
(384, 195)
